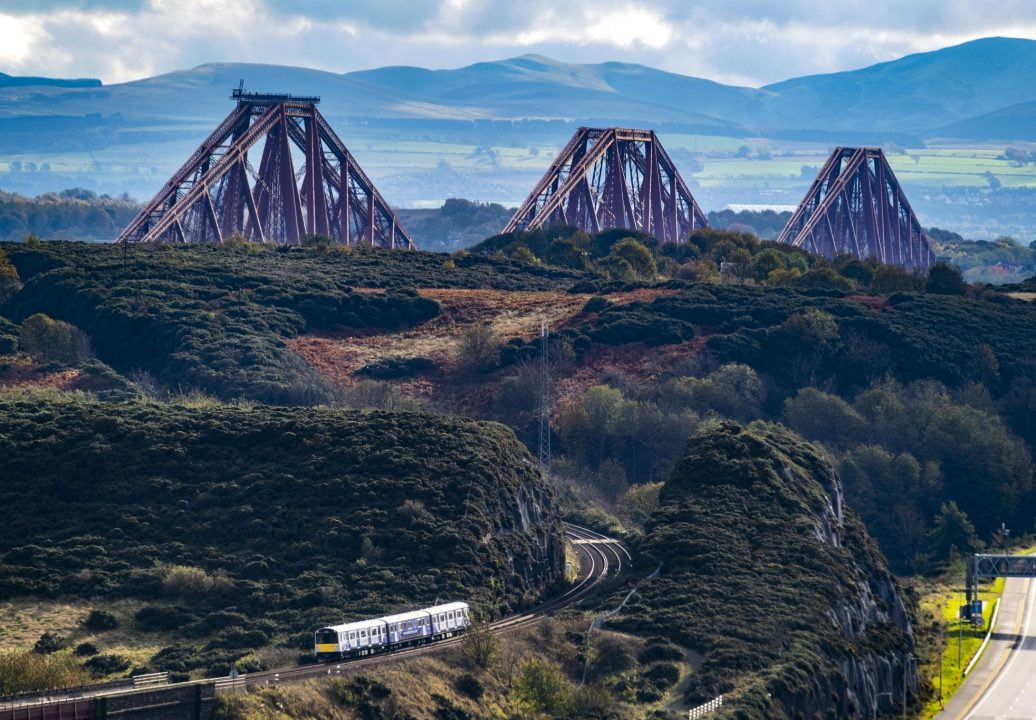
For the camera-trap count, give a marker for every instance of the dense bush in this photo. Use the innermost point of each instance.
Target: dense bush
(100, 621)
(107, 664)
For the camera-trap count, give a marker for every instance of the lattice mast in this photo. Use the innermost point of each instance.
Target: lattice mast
(612, 178)
(544, 444)
(219, 192)
(857, 207)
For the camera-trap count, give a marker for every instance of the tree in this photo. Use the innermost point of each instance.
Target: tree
(481, 646)
(767, 262)
(822, 417)
(10, 283)
(638, 502)
(478, 348)
(952, 530)
(541, 688)
(638, 256)
(52, 341)
(945, 279)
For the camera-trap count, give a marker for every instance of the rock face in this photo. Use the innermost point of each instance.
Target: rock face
(776, 583)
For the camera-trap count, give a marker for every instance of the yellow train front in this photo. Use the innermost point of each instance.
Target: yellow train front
(366, 637)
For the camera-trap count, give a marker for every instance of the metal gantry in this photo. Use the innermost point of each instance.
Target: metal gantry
(856, 207)
(219, 192)
(612, 178)
(984, 567)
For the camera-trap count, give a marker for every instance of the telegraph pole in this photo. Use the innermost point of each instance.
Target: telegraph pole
(544, 448)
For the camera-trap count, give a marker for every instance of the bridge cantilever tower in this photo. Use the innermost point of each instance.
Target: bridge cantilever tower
(218, 192)
(612, 178)
(857, 207)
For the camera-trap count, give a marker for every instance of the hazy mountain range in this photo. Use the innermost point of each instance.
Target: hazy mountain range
(981, 89)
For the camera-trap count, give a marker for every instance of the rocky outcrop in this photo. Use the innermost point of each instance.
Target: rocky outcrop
(775, 582)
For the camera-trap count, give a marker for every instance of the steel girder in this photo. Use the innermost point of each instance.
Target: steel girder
(218, 193)
(612, 178)
(981, 567)
(857, 207)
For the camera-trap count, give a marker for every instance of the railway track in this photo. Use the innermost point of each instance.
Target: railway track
(601, 558)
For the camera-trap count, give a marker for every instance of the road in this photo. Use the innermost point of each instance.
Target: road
(1003, 684)
(601, 558)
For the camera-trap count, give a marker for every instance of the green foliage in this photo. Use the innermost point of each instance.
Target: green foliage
(49, 643)
(755, 558)
(541, 688)
(100, 621)
(953, 532)
(75, 214)
(288, 518)
(85, 649)
(52, 341)
(945, 279)
(905, 450)
(481, 646)
(478, 348)
(10, 283)
(637, 255)
(469, 686)
(107, 664)
(30, 672)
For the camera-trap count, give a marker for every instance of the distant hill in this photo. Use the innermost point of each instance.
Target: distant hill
(16, 81)
(1016, 122)
(915, 94)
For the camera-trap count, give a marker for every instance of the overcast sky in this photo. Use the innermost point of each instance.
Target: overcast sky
(750, 42)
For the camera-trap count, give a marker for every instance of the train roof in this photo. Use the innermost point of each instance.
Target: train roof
(447, 607)
(399, 617)
(357, 625)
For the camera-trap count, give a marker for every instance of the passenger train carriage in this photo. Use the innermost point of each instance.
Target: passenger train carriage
(366, 637)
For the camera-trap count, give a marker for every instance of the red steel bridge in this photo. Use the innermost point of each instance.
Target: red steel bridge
(219, 192)
(856, 207)
(612, 178)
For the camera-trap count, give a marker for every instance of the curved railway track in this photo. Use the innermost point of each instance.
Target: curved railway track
(601, 558)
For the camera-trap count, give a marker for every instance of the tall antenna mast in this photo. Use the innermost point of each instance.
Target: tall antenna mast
(544, 399)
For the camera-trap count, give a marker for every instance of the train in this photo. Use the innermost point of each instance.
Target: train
(367, 637)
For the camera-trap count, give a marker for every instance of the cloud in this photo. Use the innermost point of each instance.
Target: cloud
(743, 41)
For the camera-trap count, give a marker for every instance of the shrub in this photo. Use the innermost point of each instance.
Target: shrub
(52, 341)
(48, 643)
(107, 664)
(540, 687)
(944, 279)
(157, 618)
(100, 621)
(659, 649)
(480, 644)
(478, 348)
(469, 686)
(187, 582)
(86, 649)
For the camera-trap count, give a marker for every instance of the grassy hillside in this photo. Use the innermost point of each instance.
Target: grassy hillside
(257, 525)
(772, 581)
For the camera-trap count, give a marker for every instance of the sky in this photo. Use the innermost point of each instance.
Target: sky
(746, 42)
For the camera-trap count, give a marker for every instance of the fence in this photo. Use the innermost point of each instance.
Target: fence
(703, 710)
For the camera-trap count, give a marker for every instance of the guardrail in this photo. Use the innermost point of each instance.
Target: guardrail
(150, 679)
(703, 710)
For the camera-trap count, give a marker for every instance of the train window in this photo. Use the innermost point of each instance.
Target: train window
(326, 637)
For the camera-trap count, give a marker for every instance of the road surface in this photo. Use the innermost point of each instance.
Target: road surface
(1003, 684)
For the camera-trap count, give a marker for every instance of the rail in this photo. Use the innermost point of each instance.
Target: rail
(605, 558)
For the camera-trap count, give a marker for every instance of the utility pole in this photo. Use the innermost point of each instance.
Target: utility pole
(1006, 534)
(544, 448)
